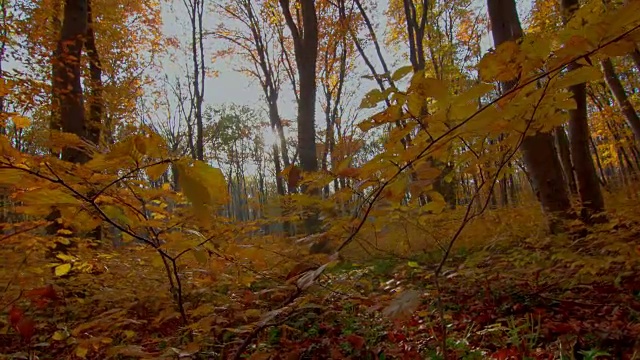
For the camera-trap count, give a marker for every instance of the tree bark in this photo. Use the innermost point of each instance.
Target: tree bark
(538, 151)
(562, 143)
(305, 41)
(635, 56)
(96, 102)
(579, 135)
(614, 84)
(305, 44)
(195, 9)
(67, 76)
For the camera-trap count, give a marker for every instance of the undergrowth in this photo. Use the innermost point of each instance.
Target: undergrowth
(503, 295)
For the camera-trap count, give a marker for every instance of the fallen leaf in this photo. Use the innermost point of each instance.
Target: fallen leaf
(63, 269)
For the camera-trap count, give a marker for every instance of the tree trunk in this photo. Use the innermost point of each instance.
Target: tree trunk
(538, 151)
(562, 143)
(305, 43)
(67, 76)
(196, 12)
(579, 135)
(614, 84)
(305, 39)
(95, 70)
(594, 147)
(635, 56)
(68, 109)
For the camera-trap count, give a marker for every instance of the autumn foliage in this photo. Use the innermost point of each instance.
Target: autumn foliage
(475, 203)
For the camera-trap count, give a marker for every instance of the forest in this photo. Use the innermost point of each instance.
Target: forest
(319, 179)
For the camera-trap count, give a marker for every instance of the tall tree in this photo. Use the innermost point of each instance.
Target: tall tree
(579, 137)
(95, 99)
(539, 154)
(67, 76)
(621, 98)
(304, 33)
(195, 9)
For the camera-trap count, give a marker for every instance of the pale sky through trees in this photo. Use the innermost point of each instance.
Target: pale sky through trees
(231, 86)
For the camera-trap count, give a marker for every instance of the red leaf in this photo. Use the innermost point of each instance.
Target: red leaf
(47, 292)
(15, 315)
(504, 354)
(356, 341)
(26, 327)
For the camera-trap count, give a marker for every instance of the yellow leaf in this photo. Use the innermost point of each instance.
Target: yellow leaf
(253, 313)
(59, 335)
(582, 75)
(371, 99)
(63, 269)
(11, 176)
(140, 143)
(21, 122)
(65, 257)
(156, 171)
(200, 255)
(619, 48)
(47, 197)
(203, 185)
(428, 87)
(81, 351)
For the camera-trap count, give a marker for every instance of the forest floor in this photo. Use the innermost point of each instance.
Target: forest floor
(522, 298)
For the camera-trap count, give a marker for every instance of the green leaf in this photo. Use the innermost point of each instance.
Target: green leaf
(401, 72)
(413, 264)
(62, 270)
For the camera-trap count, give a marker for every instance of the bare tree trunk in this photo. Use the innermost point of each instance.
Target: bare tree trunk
(538, 151)
(95, 69)
(614, 84)
(594, 147)
(195, 9)
(305, 42)
(305, 39)
(579, 135)
(68, 108)
(67, 75)
(562, 142)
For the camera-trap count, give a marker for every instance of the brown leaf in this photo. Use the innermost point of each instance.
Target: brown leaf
(294, 176)
(356, 341)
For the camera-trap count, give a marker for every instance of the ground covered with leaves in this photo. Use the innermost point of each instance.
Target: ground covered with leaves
(507, 296)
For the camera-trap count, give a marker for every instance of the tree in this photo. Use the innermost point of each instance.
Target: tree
(304, 33)
(196, 14)
(259, 41)
(620, 95)
(579, 138)
(67, 76)
(538, 151)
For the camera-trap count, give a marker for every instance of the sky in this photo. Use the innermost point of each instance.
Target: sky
(233, 87)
